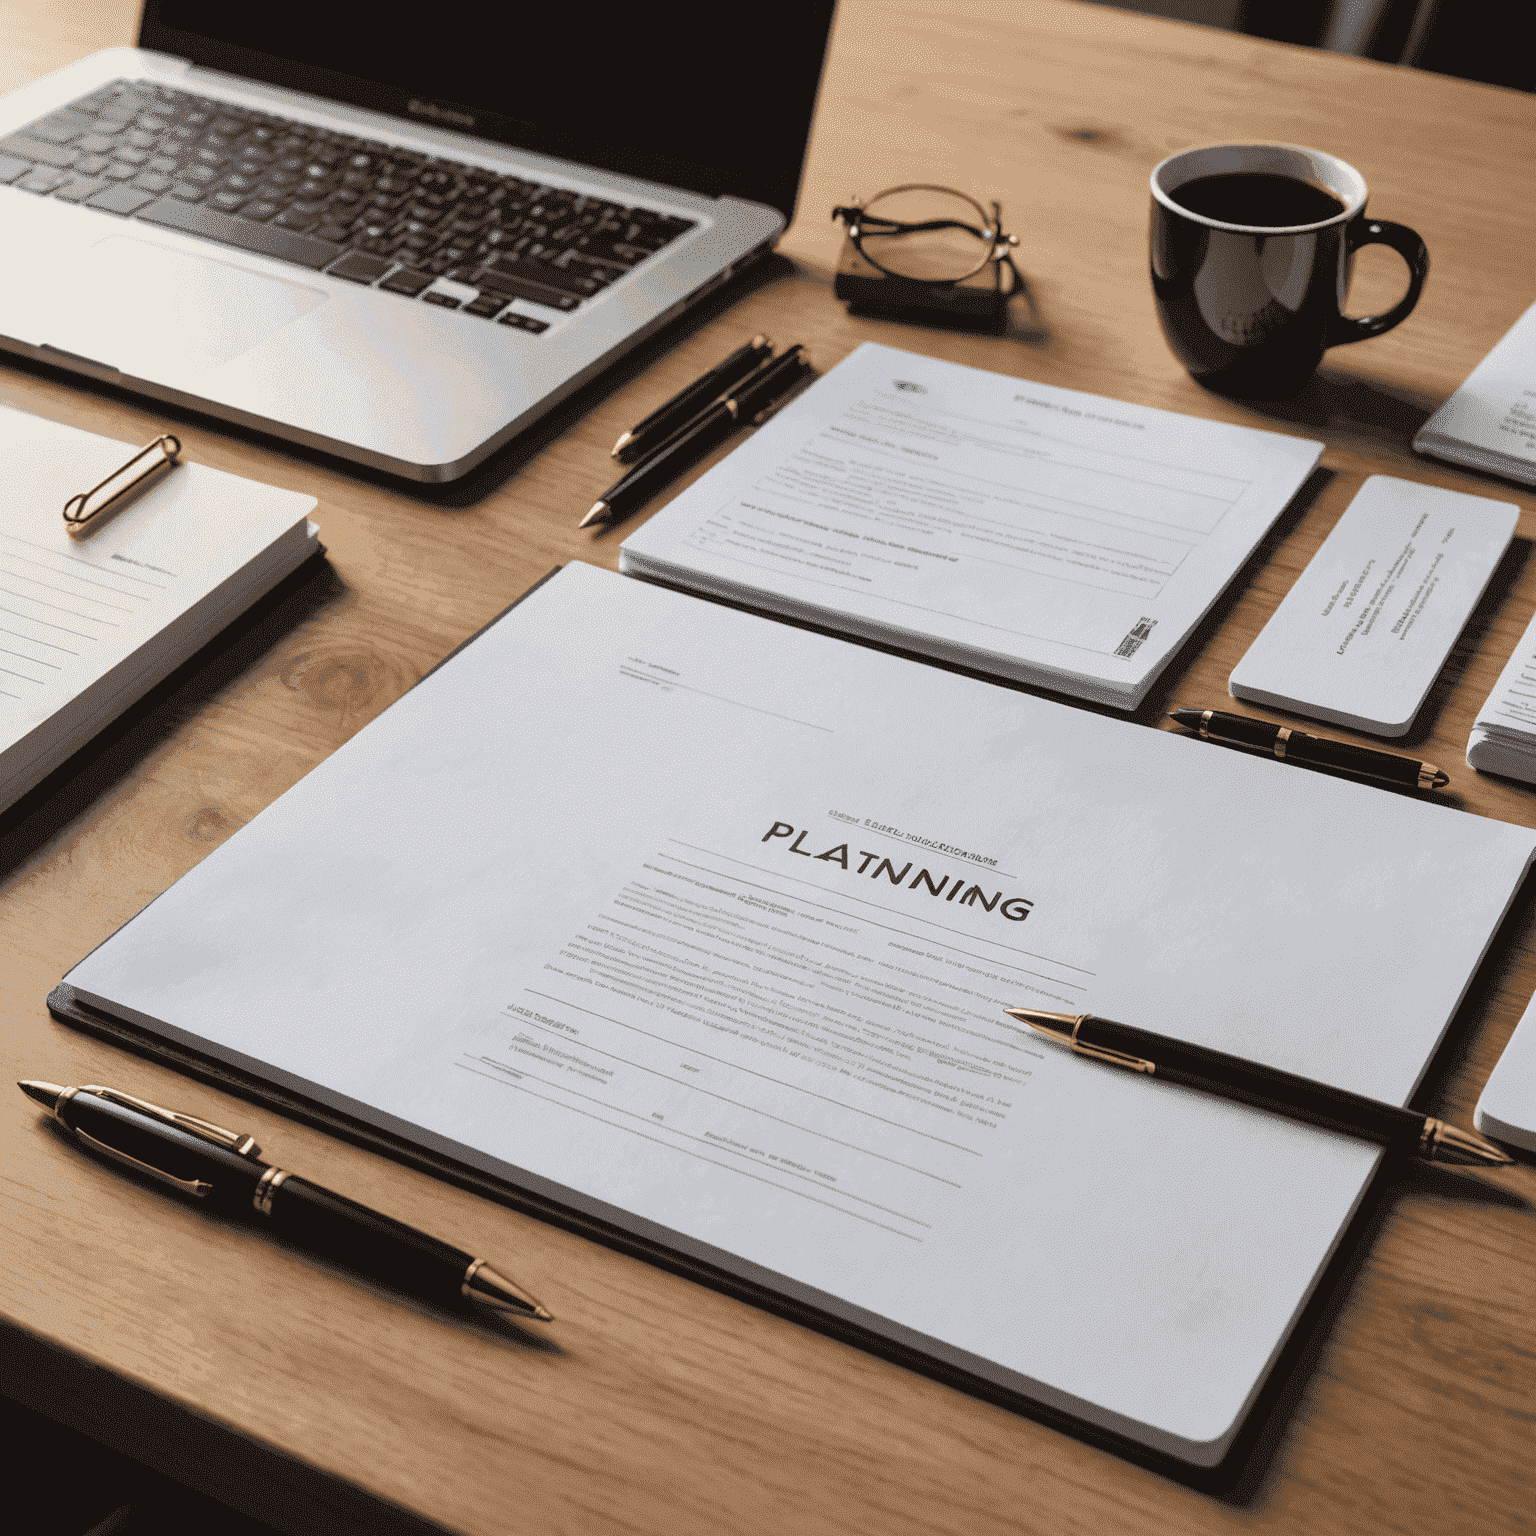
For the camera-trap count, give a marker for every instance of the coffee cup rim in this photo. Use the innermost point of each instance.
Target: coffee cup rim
(1353, 199)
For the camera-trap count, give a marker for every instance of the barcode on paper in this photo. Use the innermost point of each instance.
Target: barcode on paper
(1138, 632)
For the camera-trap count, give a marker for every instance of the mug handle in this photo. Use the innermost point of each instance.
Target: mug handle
(1407, 245)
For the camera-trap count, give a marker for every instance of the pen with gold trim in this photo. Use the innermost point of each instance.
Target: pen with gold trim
(1403, 1131)
(1292, 746)
(223, 1172)
(750, 403)
(679, 412)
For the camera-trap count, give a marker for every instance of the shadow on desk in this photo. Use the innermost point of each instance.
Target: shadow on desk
(93, 1491)
(111, 756)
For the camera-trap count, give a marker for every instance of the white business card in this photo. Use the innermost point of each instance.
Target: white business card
(1362, 635)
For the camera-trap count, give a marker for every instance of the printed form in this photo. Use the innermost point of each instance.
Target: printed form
(705, 925)
(956, 511)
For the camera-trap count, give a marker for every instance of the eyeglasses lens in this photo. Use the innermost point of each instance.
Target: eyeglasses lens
(930, 255)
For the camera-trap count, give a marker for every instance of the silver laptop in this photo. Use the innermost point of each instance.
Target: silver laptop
(390, 236)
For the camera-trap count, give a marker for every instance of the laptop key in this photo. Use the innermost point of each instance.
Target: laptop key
(404, 280)
(150, 181)
(61, 128)
(358, 267)
(119, 172)
(119, 200)
(42, 180)
(523, 322)
(284, 244)
(487, 305)
(79, 189)
(443, 300)
(185, 189)
(11, 168)
(521, 288)
(38, 151)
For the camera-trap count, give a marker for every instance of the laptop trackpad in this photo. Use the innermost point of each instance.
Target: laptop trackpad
(146, 309)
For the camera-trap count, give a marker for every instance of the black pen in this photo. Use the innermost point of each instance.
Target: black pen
(223, 1172)
(751, 401)
(687, 403)
(1230, 1077)
(1290, 746)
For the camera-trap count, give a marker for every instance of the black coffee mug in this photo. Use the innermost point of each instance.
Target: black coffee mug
(1252, 247)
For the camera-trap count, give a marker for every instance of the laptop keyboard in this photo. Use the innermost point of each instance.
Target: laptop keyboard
(408, 223)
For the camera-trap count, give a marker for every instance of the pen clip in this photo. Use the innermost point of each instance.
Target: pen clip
(198, 1187)
(233, 1141)
(91, 508)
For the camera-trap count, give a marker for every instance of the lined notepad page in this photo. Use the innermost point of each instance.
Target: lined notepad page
(80, 618)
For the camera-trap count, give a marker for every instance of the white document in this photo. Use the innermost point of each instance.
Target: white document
(1490, 422)
(1507, 1108)
(705, 925)
(1362, 635)
(87, 625)
(1503, 738)
(1035, 533)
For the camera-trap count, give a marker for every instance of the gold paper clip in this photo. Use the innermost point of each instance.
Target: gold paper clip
(88, 511)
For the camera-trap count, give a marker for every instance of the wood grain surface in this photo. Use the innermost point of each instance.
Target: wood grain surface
(656, 1405)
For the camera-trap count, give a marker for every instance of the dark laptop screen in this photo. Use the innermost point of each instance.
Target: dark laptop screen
(681, 92)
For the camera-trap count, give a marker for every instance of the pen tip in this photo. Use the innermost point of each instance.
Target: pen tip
(46, 1094)
(598, 513)
(494, 1289)
(624, 439)
(1059, 1026)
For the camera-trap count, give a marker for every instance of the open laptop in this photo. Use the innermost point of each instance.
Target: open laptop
(396, 236)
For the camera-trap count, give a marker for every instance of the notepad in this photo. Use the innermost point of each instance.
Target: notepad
(89, 625)
(1490, 422)
(1503, 738)
(1364, 631)
(1039, 534)
(745, 999)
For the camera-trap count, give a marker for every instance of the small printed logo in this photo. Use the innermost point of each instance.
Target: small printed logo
(910, 387)
(437, 114)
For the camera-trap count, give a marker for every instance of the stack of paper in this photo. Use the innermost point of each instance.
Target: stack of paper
(89, 625)
(1490, 422)
(1504, 738)
(1032, 533)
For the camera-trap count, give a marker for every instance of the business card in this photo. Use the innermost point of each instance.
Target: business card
(1362, 635)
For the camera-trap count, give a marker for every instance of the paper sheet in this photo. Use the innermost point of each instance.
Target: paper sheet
(1039, 533)
(706, 925)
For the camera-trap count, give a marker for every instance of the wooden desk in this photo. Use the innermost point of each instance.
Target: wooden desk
(315, 1403)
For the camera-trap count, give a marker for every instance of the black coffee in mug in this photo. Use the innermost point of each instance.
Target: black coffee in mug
(1251, 250)
(1258, 197)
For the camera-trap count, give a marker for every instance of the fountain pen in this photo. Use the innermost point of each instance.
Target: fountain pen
(222, 1170)
(1291, 746)
(1403, 1131)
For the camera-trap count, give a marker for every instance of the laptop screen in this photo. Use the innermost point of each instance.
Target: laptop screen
(681, 92)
